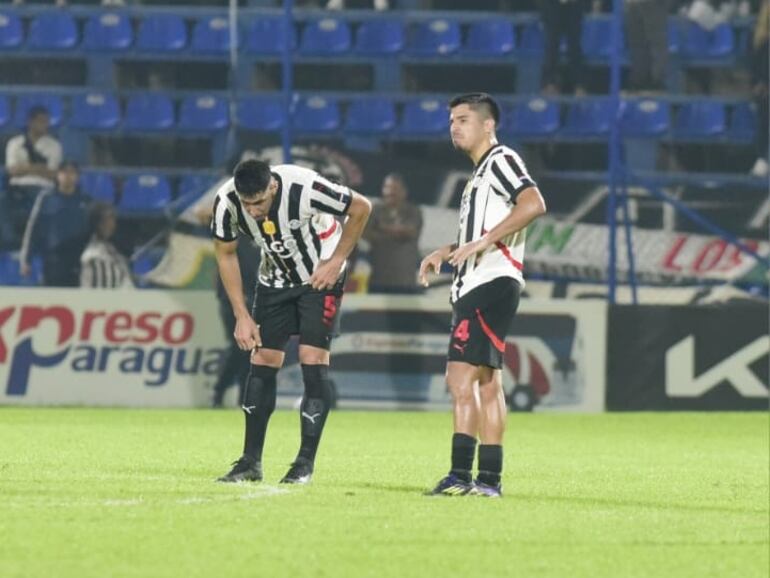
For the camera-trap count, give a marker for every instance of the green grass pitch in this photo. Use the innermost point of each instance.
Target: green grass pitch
(114, 493)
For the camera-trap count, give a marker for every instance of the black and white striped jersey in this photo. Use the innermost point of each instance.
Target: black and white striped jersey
(487, 199)
(300, 229)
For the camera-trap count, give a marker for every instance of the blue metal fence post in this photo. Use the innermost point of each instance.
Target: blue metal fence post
(614, 144)
(287, 82)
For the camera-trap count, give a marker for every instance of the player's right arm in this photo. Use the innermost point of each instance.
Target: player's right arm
(433, 261)
(246, 330)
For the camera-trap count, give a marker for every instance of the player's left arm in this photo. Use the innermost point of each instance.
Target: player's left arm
(328, 270)
(529, 206)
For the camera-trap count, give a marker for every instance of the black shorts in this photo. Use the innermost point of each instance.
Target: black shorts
(480, 322)
(303, 311)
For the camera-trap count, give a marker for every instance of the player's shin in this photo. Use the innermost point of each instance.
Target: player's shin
(314, 409)
(258, 406)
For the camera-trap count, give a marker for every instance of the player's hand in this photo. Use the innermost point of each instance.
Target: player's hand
(326, 274)
(432, 261)
(247, 333)
(461, 254)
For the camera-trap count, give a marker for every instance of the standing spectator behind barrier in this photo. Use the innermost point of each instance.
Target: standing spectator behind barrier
(647, 34)
(58, 229)
(393, 231)
(563, 19)
(31, 162)
(759, 83)
(102, 266)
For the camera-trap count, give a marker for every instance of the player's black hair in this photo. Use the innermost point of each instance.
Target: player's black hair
(478, 101)
(252, 177)
(399, 178)
(36, 111)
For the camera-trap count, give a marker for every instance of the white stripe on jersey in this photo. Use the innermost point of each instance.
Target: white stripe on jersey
(487, 199)
(304, 215)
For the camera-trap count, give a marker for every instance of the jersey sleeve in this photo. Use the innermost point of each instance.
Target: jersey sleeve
(224, 220)
(508, 175)
(328, 197)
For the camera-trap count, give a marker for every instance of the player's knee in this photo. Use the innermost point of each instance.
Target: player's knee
(311, 356)
(260, 394)
(490, 392)
(317, 383)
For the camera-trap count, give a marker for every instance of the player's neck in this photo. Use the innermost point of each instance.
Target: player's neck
(478, 152)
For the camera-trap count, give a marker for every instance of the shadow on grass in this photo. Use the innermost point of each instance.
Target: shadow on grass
(593, 502)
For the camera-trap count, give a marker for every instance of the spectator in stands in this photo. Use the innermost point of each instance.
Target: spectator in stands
(393, 231)
(759, 78)
(102, 266)
(647, 35)
(563, 19)
(57, 230)
(31, 161)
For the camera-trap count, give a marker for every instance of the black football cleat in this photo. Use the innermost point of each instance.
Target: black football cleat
(245, 469)
(451, 485)
(300, 472)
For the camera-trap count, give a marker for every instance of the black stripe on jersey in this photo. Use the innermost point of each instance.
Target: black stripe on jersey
(213, 224)
(242, 226)
(294, 196)
(507, 185)
(471, 215)
(332, 194)
(515, 166)
(288, 265)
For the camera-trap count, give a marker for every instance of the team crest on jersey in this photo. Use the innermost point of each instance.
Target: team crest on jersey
(295, 224)
(268, 227)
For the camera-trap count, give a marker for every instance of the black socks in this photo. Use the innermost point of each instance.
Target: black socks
(490, 460)
(490, 464)
(258, 406)
(314, 409)
(463, 448)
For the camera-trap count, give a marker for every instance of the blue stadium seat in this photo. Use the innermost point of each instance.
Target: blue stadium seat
(424, 117)
(379, 37)
(5, 111)
(53, 29)
(204, 113)
(490, 38)
(596, 38)
(645, 118)
(211, 35)
(108, 31)
(537, 117)
(743, 122)
(698, 43)
(532, 39)
(98, 185)
(269, 36)
(316, 114)
(95, 111)
(325, 36)
(11, 31)
(699, 120)
(435, 37)
(161, 33)
(588, 118)
(195, 183)
(261, 113)
(148, 112)
(52, 103)
(145, 193)
(375, 115)
(10, 275)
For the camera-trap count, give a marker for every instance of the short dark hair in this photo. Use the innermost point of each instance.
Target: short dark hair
(478, 101)
(399, 178)
(69, 165)
(37, 110)
(251, 177)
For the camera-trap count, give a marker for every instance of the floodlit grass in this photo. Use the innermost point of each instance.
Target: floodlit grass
(97, 493)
